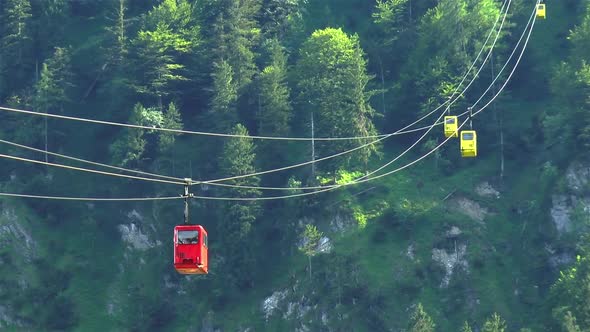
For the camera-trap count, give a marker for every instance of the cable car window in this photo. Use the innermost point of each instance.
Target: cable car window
(205, 241)
(468, 136)
(188, 237)
(450, 121)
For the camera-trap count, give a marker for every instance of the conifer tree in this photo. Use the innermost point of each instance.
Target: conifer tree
(312, 237)
(274, 108)
(130, 146)
(420, 321)
(51, 91)
(15, 45)
(494, 324)
(170, 33)
(223, 104)
(237, 218)
(332, 83)
(172, 120)
(232, 32)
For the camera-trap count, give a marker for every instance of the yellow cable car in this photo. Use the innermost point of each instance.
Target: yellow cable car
(468, 143)
(451, 126)
(541, 10)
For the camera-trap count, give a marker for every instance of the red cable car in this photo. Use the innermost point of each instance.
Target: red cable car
(190, 243)
(190, 249)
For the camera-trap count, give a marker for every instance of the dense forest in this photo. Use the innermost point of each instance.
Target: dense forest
(312, 132)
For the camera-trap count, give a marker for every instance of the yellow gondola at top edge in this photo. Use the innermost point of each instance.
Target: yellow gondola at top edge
(541, 10)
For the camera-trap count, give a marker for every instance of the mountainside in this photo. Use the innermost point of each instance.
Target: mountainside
(435, 242)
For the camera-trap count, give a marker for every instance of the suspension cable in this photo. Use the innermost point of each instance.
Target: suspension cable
(318, 191)
(88, 170)
(213, 182)
(90, 162)
(100, 199)
(181, 131)
(330, 188)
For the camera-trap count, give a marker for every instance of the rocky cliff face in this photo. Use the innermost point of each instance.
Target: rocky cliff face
(17, 249)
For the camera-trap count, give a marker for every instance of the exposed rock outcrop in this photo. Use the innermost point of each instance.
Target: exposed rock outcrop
(469, 208)
(450, 261)
(484, 189)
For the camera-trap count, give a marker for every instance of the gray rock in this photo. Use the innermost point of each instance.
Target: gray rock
(470, 208)
(450, 261)
(577, 177)
(135, 238)
(560, 213)
(484, 189)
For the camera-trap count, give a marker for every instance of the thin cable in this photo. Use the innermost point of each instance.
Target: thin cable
(397, 169)
(181, 131)
(515, 66)
(327, 189)
(90, 162)
(324, 190)
(212, 182)
(532, 19)
(88, 170)
(61, 198)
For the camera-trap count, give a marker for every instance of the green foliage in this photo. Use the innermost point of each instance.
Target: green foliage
(274, 108)
(570, 294)
(223, 104)
(169, 34)
(420, 321)
(15, 44)
(282, 18)
(569, 323)
(130, 146)
(117, 38)
(580, 39)
(393, 18)
(494, 324)
(341, 177)
(466, 327)
(237, 218)
(52, 88)
(232, 32)
(332, 83)
(570, 83)
(172, 120)
(360, 217)
(311, 237)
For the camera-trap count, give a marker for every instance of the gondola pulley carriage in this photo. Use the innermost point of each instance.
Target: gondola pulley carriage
(190, 243)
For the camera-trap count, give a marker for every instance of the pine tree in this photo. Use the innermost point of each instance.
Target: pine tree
(170, 33)
(274, 108)
(312, 238)
(223, 104)
(171, 120)
(332, 82)
(494, 324)
(117, 33)
(15, 45)
(466, 327)
(51, 91)
(233, 32)
(420, 321)
(238, 218)
(128, 149)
